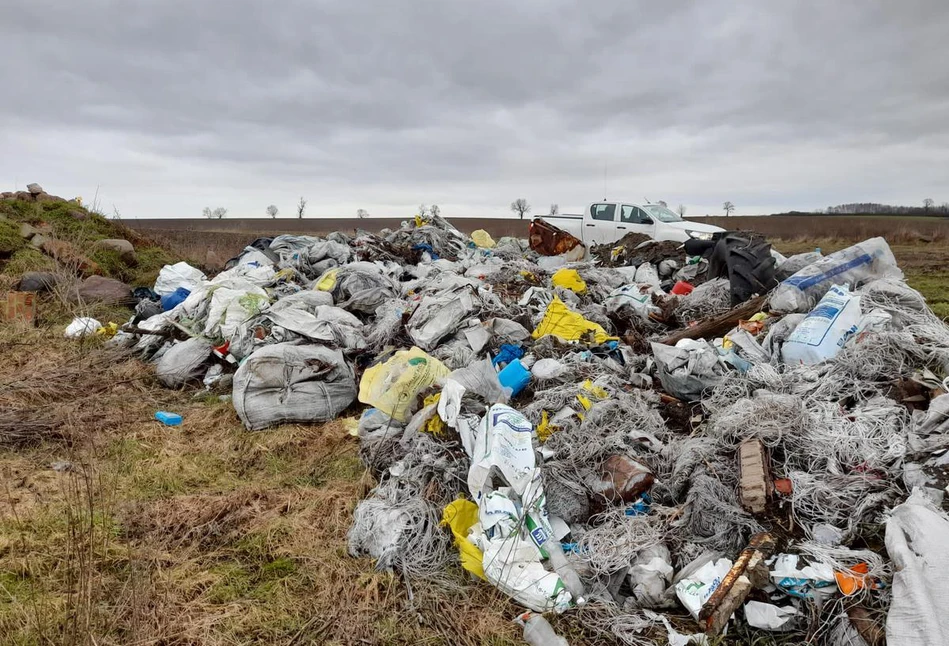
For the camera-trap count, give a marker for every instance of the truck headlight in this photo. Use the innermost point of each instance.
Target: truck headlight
(698, 235)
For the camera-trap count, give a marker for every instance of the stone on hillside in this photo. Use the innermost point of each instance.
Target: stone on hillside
(23, 195)
(6, 195)
(38, 240)
(123, 247)
(76, 214)
(98, 289)
(66, 254)
(34, 189)
(37, 281)
(28, 231)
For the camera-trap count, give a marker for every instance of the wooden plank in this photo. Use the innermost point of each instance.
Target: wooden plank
(719, 325)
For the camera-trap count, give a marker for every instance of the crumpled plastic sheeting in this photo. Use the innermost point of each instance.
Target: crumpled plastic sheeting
(181, 274)
(916, 539)
(506, 485)
(439, 316)
(793, 264)
(935, 420)
(562, 322)
(327, 324)
(688, 368)
(857, 264)
(183, 362)
(82, 326)
(292, 383)
(393, 386)
(230, 309)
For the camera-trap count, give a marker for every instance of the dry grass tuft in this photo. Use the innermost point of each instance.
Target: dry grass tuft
(202, 521)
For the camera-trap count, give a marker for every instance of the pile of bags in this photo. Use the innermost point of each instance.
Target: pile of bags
(523, 414)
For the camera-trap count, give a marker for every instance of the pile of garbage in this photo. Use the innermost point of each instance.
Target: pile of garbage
(653, 444)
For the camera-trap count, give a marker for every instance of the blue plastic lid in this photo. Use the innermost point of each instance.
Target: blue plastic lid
(168, 419)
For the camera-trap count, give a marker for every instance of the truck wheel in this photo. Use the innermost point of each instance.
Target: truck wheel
(748, 265)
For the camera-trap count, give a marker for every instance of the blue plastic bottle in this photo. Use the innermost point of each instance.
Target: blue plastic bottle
(515, 376)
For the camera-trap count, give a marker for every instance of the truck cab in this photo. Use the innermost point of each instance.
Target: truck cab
(606, 222)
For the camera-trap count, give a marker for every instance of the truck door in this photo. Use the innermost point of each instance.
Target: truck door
(633, 219)
(599, 225)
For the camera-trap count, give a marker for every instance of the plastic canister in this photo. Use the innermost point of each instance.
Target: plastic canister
(514, 376)
(682, 288)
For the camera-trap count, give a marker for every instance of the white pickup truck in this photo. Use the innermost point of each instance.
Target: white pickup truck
(606, 222)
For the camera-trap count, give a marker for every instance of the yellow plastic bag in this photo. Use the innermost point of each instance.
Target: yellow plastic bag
(284, 274)
(460, 515)
(569, 279)
(108, 330)
(393, 386)
(483, 239)
(435, 425)
(566, 324)
(327, 281)
(598, 393)
(545, 429)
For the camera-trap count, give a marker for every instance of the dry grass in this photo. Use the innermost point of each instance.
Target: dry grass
(199, 534)
(845, 228)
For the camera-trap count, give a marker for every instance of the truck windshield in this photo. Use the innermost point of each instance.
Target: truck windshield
(661, 213)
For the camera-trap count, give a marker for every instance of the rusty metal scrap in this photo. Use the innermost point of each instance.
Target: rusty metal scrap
(748, 572)
(548, 240)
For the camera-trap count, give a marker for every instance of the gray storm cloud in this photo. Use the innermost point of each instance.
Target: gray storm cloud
(170, 106)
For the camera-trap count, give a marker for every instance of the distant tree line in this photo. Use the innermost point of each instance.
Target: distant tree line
(929, 207)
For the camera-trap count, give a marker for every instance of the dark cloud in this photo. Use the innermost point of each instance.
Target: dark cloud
(170, 105)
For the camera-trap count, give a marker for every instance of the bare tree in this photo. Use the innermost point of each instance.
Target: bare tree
(663, 204)
(729, 207)
(301, 207)
(272, 210)
(216, 214)
(362, 213)
(434, 210)
(681, 210)
(928, 203)
(520, 206)
(422, 210)
(554, 209)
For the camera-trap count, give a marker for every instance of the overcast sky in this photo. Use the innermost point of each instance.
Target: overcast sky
(168, 106)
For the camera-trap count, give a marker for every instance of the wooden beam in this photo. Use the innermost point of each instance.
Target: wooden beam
(718, 325)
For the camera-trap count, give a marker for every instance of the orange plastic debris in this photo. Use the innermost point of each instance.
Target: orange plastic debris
(783, 486)
(854, 579)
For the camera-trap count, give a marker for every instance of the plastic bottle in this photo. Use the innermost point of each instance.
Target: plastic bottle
(538, 631)
(560, 564)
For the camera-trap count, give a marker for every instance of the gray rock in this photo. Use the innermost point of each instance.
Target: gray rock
(38, 240)
(28, 231)
(34, 189)
(76, 214)
(98, 289)
(37, 281)
(123, 247)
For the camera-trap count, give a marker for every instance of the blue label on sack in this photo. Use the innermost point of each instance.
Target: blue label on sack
(803, 282)
(539, 535)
